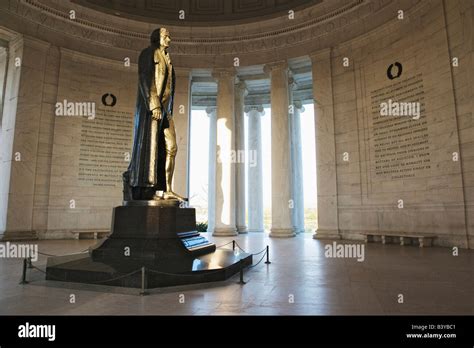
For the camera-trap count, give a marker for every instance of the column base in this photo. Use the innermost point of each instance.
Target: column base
(11, 236)
(242, 229)
(224, 232)
(326, 234)
(282, 232)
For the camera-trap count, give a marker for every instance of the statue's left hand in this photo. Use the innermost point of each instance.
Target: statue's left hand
(156, 114)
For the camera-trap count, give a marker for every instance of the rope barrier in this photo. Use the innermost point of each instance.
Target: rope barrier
(260, 252)
(246, 251)
(181, 274)
(223, 245)
(241, 273)
(238, 246)
(45, 254)
(27, 262)
(263, 250)
(98, 282)
(23, 275)
(117, 278)
(217, 247)
(143, 291)
(261, 259)
(139, 270)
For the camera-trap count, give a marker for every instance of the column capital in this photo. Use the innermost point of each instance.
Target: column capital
(279, 65)
(259, 108)
(210, 110)
(292, 83)
(241, 86)
(321, 55)
(298, 105)
(219, 73)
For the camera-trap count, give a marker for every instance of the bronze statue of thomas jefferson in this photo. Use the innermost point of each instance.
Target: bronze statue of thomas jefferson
(154, 141)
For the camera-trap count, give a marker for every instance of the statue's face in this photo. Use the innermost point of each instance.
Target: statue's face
(164, 38)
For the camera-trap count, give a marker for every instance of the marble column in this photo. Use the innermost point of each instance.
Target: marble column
(41, 203)
(181, 114)
(297, 167)
(3, 73)
(7, 129)
(225, 143)
(240, 93)
(325, 146)
(281, 161)
(20, 136)
(211, 189)
(255, 173)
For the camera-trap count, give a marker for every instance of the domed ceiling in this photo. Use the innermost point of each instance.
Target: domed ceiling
(197, 12)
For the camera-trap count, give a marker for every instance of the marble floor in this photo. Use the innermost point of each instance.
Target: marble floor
(299, 281)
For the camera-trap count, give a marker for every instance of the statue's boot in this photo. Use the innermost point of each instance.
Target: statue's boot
(157, 197)
(174, 195)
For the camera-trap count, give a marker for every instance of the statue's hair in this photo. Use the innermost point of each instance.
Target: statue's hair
(155, 37)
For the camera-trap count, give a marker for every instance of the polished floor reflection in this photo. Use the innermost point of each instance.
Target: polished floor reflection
(299, 281)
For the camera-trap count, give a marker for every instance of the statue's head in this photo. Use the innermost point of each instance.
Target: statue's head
(160, 38)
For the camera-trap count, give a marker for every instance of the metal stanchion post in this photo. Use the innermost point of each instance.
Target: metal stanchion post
(241, 263)
(144, 285)
(233, 245)
(268, 256)
(23, 276)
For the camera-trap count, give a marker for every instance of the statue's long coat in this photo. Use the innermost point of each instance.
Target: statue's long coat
(139, 165)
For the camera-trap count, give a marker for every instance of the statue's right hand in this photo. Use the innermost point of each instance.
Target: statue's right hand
(156, 115)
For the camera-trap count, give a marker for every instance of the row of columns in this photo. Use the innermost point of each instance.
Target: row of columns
(227, 208)
(227, 193)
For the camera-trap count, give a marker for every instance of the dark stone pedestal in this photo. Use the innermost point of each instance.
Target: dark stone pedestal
(154, 246)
